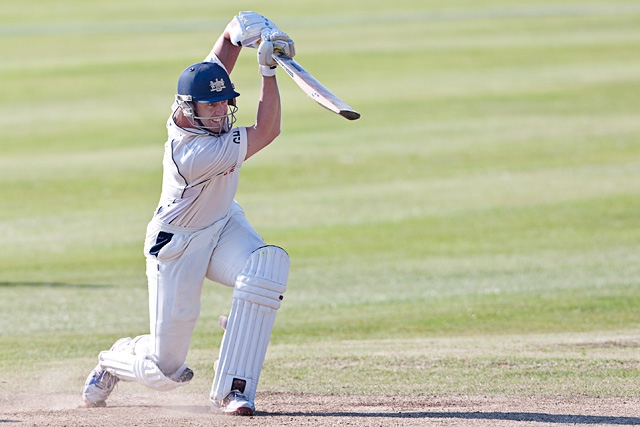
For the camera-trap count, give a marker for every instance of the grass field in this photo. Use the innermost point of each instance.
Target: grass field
(475, 232)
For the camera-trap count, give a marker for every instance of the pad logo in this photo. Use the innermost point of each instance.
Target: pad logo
(217, 86)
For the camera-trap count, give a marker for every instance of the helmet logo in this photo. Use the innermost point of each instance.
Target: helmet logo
(217, 85)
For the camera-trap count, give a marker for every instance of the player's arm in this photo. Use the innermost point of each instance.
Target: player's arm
(226, 51)
(267, 126)
(244, 30)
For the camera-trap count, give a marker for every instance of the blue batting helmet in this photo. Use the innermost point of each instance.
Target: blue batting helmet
(205, 82)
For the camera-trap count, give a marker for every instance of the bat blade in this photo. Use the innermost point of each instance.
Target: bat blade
(316, 90)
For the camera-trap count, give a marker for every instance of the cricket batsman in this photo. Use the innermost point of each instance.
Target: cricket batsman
(198, 231)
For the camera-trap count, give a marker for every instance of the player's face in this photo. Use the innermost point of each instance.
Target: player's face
(213, 115)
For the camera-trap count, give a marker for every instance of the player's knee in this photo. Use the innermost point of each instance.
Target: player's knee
(263, 279)
(150, 375)
(143, 369)
(172, 368)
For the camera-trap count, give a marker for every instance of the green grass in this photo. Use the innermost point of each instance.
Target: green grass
(476, 231)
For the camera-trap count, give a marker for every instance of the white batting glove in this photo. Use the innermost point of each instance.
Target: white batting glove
(282, 43)
(265, 58)
(274, 41)
(267, 71)
(245, 29)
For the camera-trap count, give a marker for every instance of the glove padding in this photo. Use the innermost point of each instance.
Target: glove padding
(274, 41)
(245, 29)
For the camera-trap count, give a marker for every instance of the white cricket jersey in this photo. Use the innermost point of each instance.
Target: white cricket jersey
(200, 175)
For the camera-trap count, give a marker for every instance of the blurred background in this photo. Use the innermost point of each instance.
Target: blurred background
(490, 187)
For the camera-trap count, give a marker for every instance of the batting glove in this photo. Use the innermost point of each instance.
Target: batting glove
(245, 29)
(274, 41)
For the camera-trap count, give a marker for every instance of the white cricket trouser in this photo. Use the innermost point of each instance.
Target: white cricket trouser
(178, 261)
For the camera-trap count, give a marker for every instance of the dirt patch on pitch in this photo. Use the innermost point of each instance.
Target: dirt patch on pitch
(284, 409)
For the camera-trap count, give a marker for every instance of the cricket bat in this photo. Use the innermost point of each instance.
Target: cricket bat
(312, 87)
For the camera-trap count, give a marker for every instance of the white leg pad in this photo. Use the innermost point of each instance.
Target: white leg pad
(257, 295)
(127, 366)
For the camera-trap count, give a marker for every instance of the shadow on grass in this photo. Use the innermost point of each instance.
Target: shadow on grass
(51, 285)
(508, 416)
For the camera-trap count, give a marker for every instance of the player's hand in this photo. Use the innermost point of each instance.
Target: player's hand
(274, 41)
(282, 43)
(265, 59)
(245, 29)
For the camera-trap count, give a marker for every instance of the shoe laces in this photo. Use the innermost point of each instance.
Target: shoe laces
(105, 380)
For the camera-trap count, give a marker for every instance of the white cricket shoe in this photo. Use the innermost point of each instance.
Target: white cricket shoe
(235, 403)
(100, 383)
(98, 387)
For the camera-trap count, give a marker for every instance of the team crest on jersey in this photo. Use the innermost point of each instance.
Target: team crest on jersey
(217, 85)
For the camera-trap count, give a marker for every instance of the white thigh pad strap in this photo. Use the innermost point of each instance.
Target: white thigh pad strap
(257, 295)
